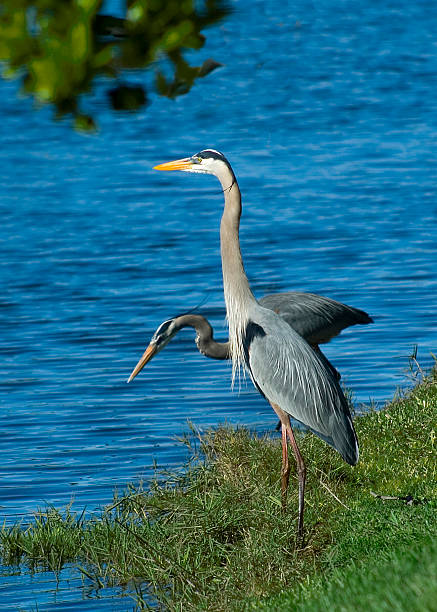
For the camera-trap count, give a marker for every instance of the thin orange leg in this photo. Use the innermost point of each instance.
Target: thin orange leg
(301, 474)
(285, 471)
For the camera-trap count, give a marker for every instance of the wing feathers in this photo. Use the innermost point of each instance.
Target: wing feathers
(290, 374)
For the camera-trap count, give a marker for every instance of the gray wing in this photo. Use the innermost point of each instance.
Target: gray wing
(314, 317)
(290, 374)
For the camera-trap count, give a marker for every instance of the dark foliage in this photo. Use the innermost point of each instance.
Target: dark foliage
(61, 49)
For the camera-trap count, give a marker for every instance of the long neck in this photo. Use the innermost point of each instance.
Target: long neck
(205, 336)
(238, 295)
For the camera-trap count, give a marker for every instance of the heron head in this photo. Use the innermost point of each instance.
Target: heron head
(160, 339)
(208, 161)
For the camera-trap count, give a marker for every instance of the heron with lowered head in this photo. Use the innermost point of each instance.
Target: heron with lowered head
(316, 318)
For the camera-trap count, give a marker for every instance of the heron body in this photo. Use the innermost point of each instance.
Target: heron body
(278, 361)
(282, 365)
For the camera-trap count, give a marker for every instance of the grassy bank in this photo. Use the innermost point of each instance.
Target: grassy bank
(215, 536)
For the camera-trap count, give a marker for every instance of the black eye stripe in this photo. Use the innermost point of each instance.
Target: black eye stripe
(210, 154)
(163, 328)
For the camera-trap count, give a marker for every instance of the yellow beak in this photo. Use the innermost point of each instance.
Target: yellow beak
(178, 164)
(147, 356)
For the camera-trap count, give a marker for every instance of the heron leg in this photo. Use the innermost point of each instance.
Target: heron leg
(301, 474)
(285, 472)
(285, 469)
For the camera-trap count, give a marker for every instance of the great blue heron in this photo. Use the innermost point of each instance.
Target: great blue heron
(314, 317)
(282, 365)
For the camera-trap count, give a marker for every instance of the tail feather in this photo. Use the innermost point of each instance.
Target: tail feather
(345, 439)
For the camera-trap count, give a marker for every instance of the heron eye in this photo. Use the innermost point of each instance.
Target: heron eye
(199, 159)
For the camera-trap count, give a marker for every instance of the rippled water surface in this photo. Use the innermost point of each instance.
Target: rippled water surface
(328, 115)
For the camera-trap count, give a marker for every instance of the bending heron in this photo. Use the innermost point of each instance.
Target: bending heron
(282, 365)
(314, 317)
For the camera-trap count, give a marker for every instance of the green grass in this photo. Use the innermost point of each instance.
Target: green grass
(214, 536)
(402, 579)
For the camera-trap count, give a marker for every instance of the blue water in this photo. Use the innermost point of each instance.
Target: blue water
(328, 114)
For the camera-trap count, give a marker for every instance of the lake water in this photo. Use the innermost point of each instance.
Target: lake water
(328, 114)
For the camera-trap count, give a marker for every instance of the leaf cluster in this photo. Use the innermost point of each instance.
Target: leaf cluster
(61, 49)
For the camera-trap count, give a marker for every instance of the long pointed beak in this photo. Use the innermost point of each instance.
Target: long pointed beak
(147, 356)
(178, 164)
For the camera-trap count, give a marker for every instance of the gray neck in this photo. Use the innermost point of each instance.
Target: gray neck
(238, 295)
(205, 336)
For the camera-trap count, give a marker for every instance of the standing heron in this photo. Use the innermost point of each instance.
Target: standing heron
(314, 317)
(282, 365)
